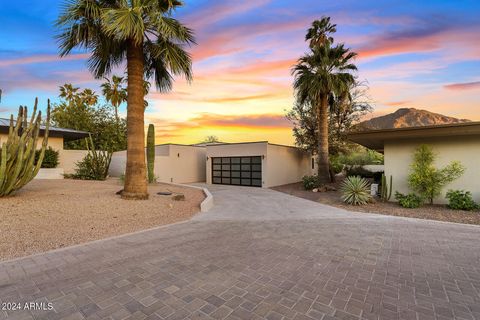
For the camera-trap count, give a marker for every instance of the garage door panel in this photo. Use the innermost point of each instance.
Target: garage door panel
(244, 171)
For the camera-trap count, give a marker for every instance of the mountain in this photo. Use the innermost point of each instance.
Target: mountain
(407, 117)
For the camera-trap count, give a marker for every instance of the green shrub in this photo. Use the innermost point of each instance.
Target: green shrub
(336, 165)
(461, 200)
(310, 182)
(355, 191)
(50, 158)
(410, 200)
(362, 158)
(94, 165)
(427, 180)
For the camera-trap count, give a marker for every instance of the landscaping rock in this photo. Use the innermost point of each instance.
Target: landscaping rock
(315, 190)
(179, 197)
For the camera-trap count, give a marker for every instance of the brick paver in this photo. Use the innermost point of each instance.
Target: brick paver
(345, 266)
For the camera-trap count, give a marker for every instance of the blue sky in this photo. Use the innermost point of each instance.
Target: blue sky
(421, 54)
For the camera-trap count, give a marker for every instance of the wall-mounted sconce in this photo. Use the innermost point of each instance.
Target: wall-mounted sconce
(178, 155)
(263, 157)
(207, 158)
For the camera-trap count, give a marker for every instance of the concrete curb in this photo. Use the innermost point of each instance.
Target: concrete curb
(207, 203)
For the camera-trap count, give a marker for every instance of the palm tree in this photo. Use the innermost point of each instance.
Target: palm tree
(69, 93)
(326, 70)
(318, 34)
(89, 97)
(142, 32)
(115, 93)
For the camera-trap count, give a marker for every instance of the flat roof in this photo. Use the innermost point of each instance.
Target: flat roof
(375, 139)
(67, 134)
(252, 142)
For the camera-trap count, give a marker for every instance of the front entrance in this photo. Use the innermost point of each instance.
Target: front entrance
(240, 171)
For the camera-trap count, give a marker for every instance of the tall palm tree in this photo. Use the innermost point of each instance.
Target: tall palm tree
(326, 70)
(319, 32)
(115, 93)
(142, 32)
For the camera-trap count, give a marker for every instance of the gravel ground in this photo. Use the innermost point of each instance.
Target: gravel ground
(50, 214)
(431, 212)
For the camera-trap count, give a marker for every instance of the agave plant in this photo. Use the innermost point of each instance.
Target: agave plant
(355, 191)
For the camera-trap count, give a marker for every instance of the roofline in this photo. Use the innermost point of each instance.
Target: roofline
(447, 125)
(253, 142)
(375, 139)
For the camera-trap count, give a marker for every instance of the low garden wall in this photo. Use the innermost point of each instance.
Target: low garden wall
(69, 158)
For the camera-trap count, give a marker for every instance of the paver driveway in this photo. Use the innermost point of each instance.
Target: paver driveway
(260, 254)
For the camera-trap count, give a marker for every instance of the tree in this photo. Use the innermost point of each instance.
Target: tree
(344, 113)
(427, 180)
(325, 71)
(115, 93)
(210, 139)
(142, 32)
(78, 113)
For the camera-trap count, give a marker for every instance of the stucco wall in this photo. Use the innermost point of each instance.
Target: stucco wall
(399, 156)
(236, 150)
(286, 165)
(173, 163)
(68, 159)
(55, 142)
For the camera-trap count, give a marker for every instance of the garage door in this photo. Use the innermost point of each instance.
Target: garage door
(240, 171)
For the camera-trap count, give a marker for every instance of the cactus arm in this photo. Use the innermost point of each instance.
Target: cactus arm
(3, 166)
(391, 188)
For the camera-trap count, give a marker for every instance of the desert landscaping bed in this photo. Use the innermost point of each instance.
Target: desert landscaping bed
(50, 214)
(432, 212)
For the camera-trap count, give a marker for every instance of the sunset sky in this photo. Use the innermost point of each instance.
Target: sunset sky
(421, 54)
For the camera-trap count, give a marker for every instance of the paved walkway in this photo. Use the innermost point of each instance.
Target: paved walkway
(260, 255)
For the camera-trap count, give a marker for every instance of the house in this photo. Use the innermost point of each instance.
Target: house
(173, 163)
(253, 164)
(56, 137)
(458, 141)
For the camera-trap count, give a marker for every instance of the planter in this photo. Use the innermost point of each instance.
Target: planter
(50, 174)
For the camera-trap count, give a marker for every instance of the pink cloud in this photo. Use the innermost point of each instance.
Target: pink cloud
(41, 59)
(249, 121)
(463, 86)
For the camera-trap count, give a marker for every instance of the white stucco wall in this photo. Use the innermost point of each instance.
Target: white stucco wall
(399, 156)
(286, 165)
(236, 150)
(173, 163)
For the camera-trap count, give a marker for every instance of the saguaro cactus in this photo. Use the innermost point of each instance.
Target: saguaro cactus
(17, 158)
(151, 153)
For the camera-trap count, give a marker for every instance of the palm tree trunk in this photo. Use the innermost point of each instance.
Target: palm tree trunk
(323, 161)
(135, 173)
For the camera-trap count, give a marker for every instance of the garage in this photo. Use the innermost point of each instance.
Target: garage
(256, 164)
(240, 171)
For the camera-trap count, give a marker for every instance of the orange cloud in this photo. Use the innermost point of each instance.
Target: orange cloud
(463, 86)
(397, 103)
(253, 121)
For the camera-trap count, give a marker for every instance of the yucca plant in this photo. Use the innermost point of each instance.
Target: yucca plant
(17, 155)
(355, 191)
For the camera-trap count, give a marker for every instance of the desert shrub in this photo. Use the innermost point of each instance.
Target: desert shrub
(310, 182)
(427, 180)
(94, 165)
(410, 200)
(336, 165)
(355, 191)
(361, 158)
(50, 158)
(461, 200)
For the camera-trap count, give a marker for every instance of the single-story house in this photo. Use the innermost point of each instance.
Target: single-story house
(459, 141)
(173, 163)
(56, 137)
(255, 164)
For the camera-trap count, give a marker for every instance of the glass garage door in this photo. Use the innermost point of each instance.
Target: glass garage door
(240, 171)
